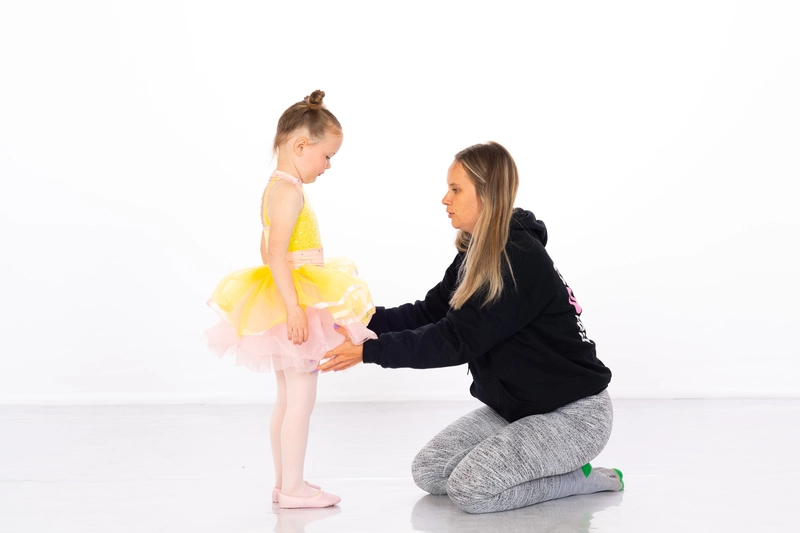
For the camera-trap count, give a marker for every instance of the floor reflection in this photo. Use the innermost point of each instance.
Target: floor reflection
(296, 520)
(566, 515)
(284, 520)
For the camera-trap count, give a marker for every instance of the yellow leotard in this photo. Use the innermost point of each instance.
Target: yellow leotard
(305, 235)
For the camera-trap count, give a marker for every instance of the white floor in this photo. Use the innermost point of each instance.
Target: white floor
(689, 465)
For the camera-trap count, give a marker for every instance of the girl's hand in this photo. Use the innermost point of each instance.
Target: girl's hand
(343, 356)
(296, 324)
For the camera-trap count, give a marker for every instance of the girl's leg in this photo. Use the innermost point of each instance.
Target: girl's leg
(301, 394)
(434, 463)
(537, 458)
(275, 425)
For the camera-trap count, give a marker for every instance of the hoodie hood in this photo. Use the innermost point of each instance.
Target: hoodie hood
(522, 220)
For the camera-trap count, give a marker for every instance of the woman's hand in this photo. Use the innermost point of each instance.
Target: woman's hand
(343, 356)
(296, 324)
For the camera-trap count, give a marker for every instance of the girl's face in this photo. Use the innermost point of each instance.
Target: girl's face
(463, 204)
(314, 159)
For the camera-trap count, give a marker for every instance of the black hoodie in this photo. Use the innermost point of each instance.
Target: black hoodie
(528, 351)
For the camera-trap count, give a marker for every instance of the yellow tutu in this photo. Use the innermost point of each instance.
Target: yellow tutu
(252, 329)
(249, 299)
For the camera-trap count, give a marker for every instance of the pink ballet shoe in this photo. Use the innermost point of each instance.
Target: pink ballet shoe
(322, 499)
(276, 491)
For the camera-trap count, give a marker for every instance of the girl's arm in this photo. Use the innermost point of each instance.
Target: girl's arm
(283, 207)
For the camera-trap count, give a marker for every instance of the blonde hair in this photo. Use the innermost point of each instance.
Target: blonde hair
(310, 115)
(494, 174)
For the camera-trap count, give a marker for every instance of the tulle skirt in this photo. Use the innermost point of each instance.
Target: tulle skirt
(252, 326)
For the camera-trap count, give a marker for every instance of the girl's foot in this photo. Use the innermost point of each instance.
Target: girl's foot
(311, 498)
(276, 491)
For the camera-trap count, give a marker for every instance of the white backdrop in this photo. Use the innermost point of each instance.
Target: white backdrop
(658, 141)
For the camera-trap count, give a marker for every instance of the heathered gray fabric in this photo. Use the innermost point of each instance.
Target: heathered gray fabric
(486, 464)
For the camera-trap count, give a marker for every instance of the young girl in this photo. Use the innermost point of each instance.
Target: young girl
(283, 315)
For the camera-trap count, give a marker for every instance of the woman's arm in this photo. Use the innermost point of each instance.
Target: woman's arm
(465, 334)
(461, 336)
(283, 207)
(428, 311)
(469, 332)
(405, 317)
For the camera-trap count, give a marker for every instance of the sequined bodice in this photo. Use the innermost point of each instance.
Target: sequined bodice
(305, 235)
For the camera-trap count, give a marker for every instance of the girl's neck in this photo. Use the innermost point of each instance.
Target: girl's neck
(285, 164)
(288, 169)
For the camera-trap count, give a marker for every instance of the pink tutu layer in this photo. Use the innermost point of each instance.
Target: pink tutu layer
(271, 349)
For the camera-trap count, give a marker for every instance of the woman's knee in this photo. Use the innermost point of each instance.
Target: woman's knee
(591, 420)
(469, 496)
(428, 473)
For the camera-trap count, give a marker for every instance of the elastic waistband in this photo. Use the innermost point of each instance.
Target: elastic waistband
(306, 257)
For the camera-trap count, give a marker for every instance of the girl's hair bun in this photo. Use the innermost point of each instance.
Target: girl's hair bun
(314, 101)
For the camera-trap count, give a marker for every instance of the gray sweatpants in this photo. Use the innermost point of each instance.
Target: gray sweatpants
(486, 464)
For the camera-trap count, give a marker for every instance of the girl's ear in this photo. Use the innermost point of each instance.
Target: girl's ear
(299, 145)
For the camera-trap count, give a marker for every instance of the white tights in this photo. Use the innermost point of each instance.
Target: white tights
(288, 429)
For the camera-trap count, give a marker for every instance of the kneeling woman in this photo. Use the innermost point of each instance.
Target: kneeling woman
(503, 308)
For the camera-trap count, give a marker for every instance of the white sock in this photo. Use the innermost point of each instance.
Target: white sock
(598, 480)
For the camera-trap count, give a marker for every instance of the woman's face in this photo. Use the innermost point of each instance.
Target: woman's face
(463, 204)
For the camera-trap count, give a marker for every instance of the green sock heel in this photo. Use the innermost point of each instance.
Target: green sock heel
(587, 469)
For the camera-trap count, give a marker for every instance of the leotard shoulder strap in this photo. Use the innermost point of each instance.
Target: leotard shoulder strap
(276, 175)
